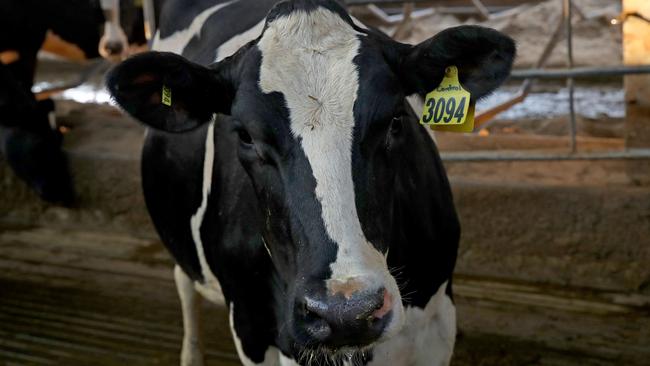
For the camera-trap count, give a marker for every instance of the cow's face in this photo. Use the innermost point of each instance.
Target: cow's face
(318, 110)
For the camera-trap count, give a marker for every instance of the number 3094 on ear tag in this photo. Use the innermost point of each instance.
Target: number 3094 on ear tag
(447, 107)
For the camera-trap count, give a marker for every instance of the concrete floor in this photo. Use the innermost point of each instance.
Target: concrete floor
(89, 298)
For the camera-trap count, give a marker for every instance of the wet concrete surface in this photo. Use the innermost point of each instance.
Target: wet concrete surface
(70, 326)
(92, 298)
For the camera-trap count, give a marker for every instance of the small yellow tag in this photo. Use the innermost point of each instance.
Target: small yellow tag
(166, 96)
(448, 107)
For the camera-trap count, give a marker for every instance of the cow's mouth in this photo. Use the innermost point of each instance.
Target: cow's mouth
(322, 355)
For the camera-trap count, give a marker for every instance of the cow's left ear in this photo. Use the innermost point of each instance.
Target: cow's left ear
(168, 92)
(483, 56)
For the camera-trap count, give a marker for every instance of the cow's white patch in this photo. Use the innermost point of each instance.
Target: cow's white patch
(358, 23)
(177, 41)
(192, 350)
(211, 291)
(235, 43)
(209, 279)
(266, 246)
(287, 361)
(309, 58)
(271, 356)
(428, 336)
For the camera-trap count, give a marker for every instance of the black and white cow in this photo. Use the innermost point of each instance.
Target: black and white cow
(294, 177)
(27, 140)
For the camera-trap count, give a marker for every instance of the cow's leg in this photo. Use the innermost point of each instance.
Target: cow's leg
(192, 351)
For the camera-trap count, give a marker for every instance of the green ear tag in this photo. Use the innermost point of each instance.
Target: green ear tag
(166, 96)
(448, 107)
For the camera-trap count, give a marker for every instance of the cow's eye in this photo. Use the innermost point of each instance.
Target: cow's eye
(396, 126)
(244, 137)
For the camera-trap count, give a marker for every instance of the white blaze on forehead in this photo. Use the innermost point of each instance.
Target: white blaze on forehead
(309, 58)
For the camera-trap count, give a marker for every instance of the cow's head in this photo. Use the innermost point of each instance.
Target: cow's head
(318, 107)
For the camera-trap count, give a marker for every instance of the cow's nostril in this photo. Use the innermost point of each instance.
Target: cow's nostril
(309, 314)
(313, 307)
(384, 306)
(313, 318)
(339, 321)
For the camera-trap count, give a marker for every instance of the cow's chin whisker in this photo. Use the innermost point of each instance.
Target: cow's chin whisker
(325, 356)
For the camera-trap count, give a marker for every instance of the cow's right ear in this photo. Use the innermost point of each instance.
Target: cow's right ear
(168, 92)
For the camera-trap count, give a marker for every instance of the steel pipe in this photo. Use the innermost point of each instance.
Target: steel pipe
(579, 72)
(573, 128)
(149, 12)
(485, 117)
(492, 156)
(94, 68)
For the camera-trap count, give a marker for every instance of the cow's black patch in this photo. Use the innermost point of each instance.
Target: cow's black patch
(223, 25)
(178, 15)
(415, 213)
(284, 183)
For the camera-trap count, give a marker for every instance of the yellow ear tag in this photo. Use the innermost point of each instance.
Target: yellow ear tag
(448, 107)
(166, 96)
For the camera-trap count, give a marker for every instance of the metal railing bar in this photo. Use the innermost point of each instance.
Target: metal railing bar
(436, 3)
(485, 13)
(491, 156)
(387, 19)
(483, 119)
(150, 26)
(573, 129)
(94, 68)
(579, 72)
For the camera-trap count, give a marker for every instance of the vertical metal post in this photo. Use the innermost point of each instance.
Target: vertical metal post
(149, 19)
(487, 116)
(404, 27)
(566, 13)
(485, 13)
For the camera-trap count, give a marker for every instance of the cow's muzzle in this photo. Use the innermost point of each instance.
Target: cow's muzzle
(344, 320)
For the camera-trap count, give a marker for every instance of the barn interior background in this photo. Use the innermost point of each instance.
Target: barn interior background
(554, 262)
